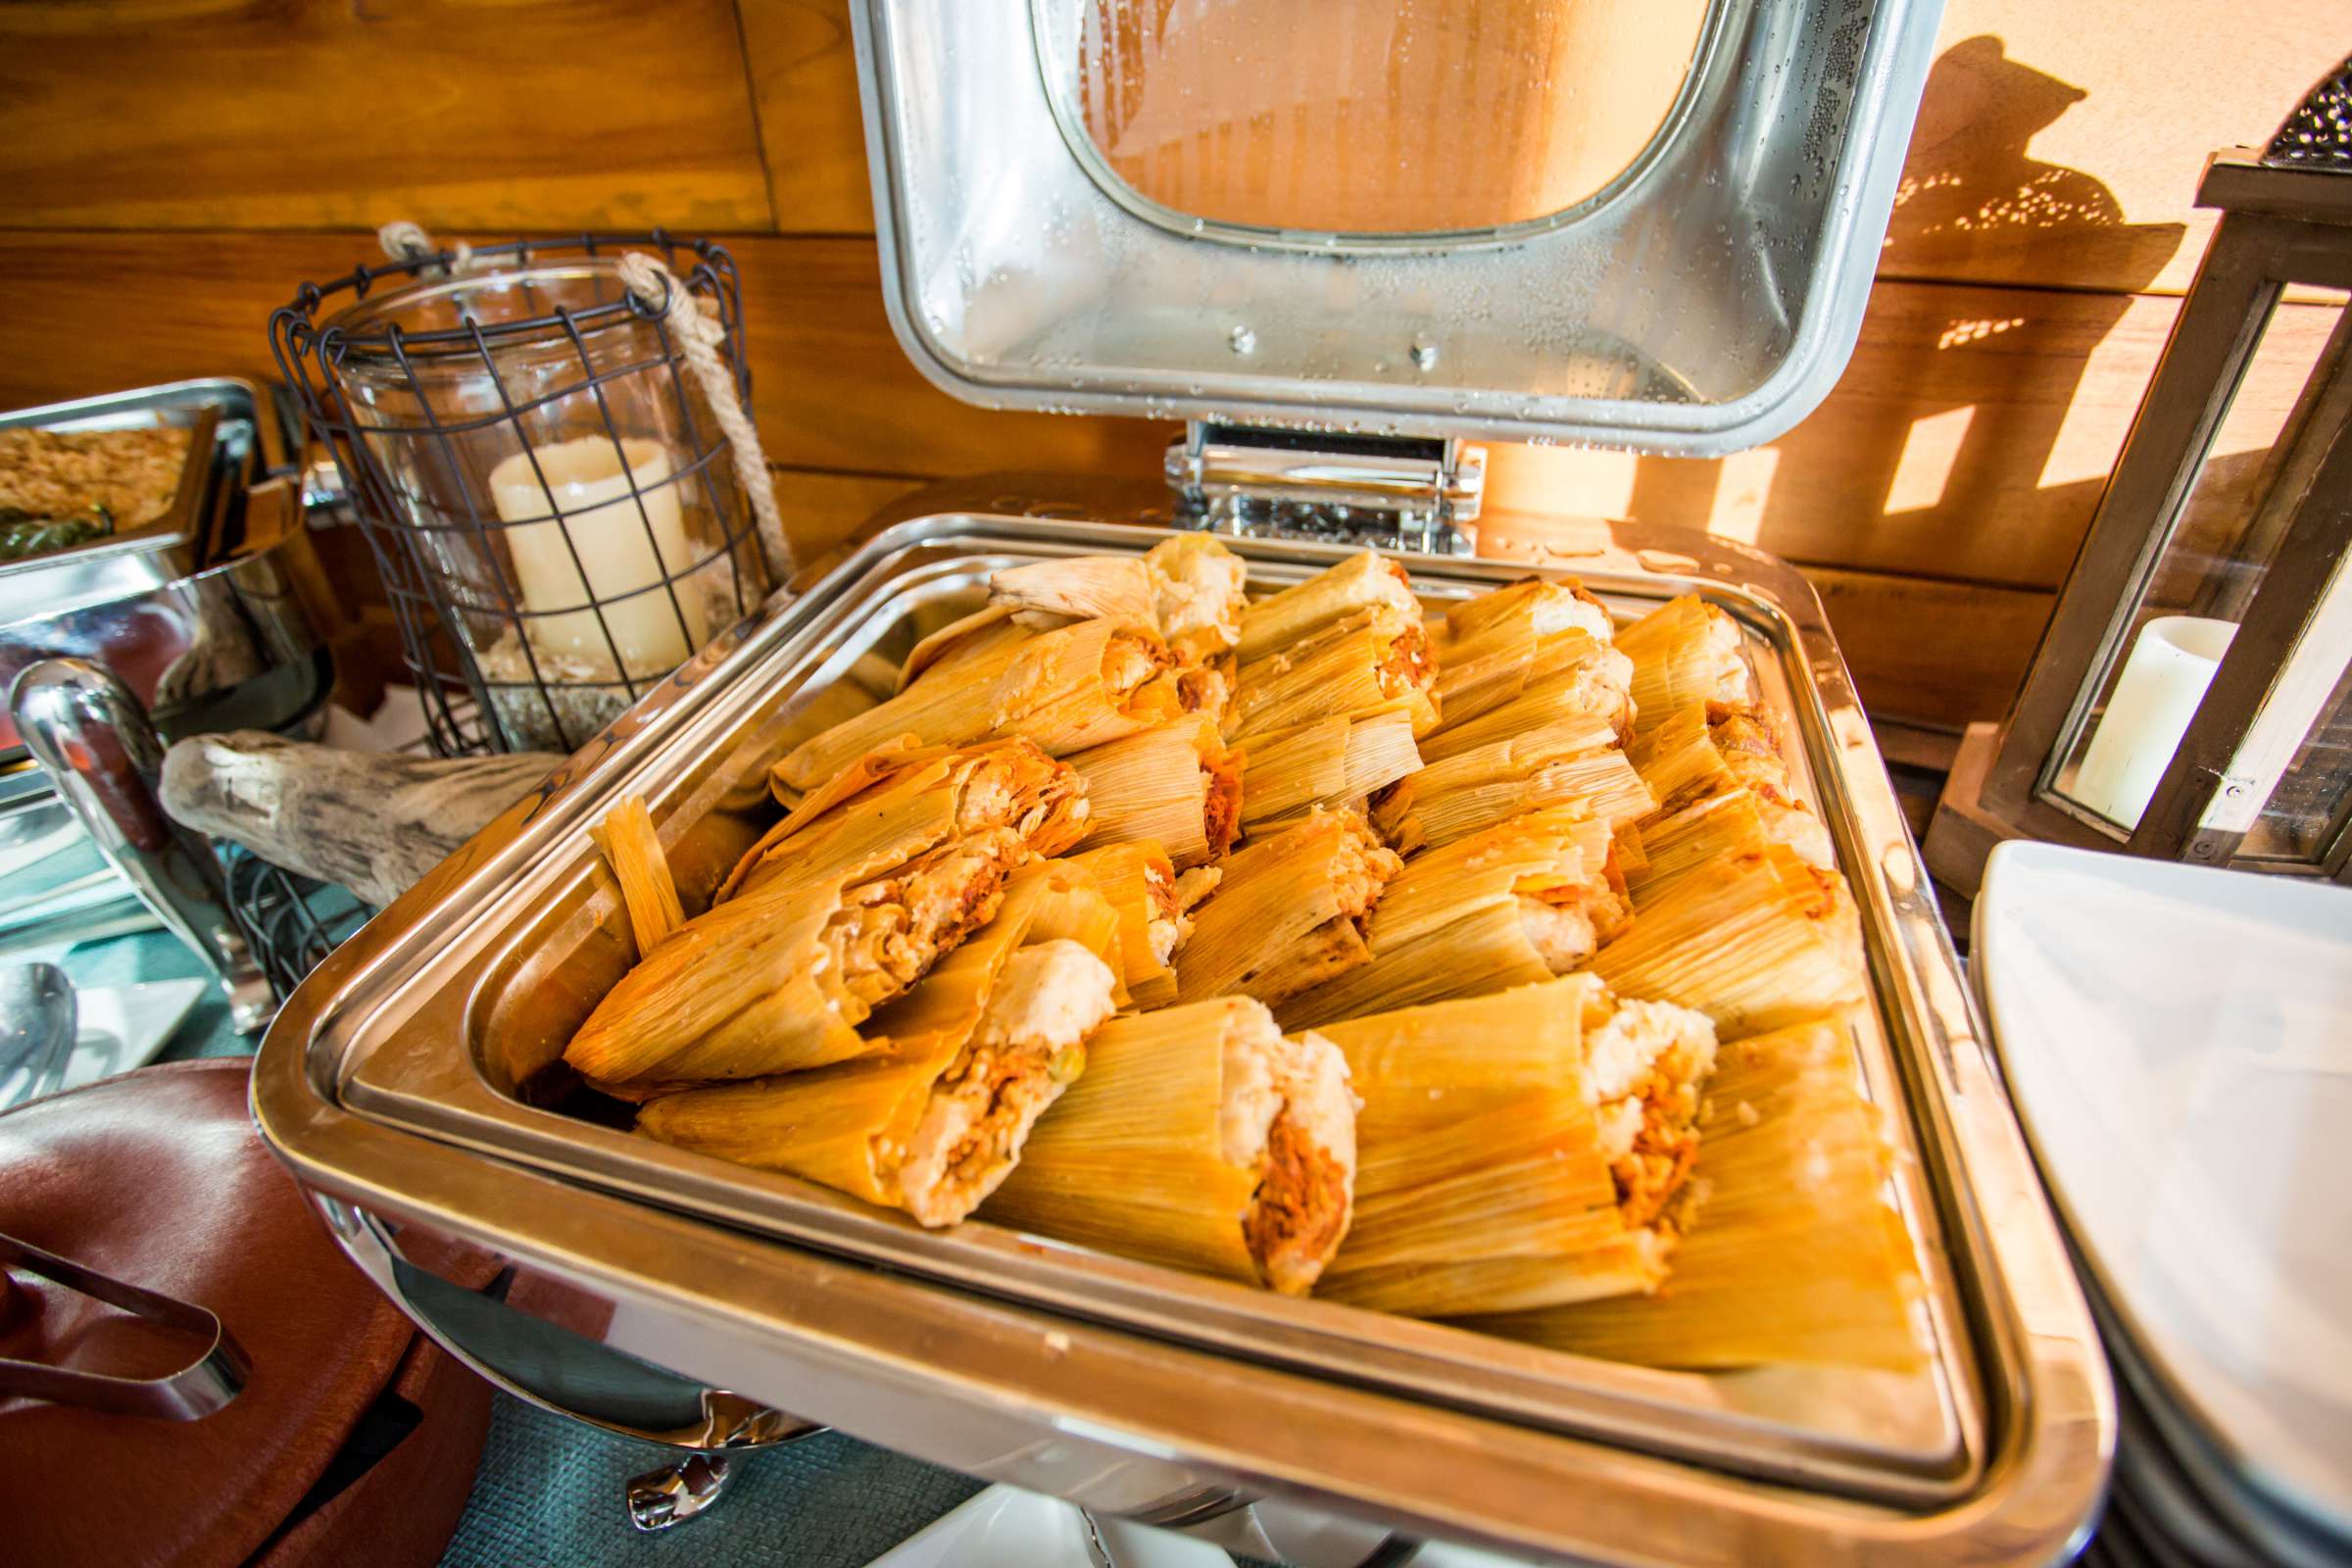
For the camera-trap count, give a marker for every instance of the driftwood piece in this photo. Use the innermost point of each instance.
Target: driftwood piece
(374, 822)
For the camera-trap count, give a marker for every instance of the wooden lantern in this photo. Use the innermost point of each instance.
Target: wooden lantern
(2193, 697)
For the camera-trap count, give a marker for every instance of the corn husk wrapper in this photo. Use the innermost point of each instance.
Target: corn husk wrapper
(1756, 941)
(1353, 669)
(1515, 904)
(752, 987)
(1581, 705)
(900, 802)
(965, 1062)
(1076, 686)
(1799, 1257)
(1478, 789)
(1289, 912)
(1179, 786)
(1487, 1182)
(1330, 762)
(1199, 1139)
(633, 849)
(1367, 582)
(1536, 606)
(1154, 906)
(1686, 651)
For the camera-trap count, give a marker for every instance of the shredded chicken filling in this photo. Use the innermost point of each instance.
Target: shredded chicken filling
(1405, 666)
(1130, 661)
(1029, 1045)
(1221, 800)
(1644, 1069)
(1567, 925)
(891, 930)
(1362, 867)
(1301, 1205)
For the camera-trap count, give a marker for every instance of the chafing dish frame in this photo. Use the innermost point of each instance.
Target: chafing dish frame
(1116, 1418)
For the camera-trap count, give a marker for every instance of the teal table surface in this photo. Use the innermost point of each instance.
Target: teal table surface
(548, 1491)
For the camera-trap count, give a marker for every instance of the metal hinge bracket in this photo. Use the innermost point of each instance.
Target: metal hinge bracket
(1417, 493)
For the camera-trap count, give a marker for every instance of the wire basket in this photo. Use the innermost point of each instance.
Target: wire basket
(548, 486)
(290, 922)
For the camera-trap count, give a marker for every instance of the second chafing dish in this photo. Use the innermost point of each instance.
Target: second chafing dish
(394, 1082)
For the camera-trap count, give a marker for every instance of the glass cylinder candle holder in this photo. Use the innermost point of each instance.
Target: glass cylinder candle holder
(546, 487)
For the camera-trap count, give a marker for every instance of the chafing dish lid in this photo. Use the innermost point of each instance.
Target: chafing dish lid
(1599, 221)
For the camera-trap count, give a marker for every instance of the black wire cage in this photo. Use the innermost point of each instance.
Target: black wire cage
(545, 486)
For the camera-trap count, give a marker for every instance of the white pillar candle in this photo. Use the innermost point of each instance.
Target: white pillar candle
(612, 541)
(2163, 679)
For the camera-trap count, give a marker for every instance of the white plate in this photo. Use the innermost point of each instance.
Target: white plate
(2178, 1043)
(1005, 1527)
(121, 1027)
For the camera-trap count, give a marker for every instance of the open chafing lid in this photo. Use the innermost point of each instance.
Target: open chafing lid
(2178, 1043)
(1632, 222)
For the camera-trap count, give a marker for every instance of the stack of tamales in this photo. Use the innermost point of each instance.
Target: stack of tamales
(1560, 950)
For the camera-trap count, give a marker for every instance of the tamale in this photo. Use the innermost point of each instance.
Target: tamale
(633, 849)
(1756, 941)
(1350, 668)
(1153, 905)
(1520, 901)
(901, 806)
(1201, 1139)
(1710, 748)
(1686, 651)
(1521, 1149)
(1479, 788)
(1541, 607)
(931, 1123)
(1365, 582)
(1332, 761)
(1799, 1257)
(1289, 910)
(773, 982)
(1179, 786)
(847, 902)
(1581, 690)
(1067, 689)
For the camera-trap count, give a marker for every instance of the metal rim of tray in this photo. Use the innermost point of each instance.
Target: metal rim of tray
(2046, 1387)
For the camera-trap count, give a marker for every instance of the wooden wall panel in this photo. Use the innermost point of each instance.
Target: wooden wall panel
(2061, 145)
(529, 114)
(1970, 438)
(805, 81)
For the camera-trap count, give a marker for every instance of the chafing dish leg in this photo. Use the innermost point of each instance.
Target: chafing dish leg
(94, 739)
(659, 1498)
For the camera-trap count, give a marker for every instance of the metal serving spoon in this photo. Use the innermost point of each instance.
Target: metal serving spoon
(37, 1019)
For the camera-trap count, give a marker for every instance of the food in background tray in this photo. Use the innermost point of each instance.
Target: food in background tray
(62, 488)
(1517, 933)
(1203, 1138)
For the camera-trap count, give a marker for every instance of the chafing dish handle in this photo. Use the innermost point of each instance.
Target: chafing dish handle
(550, 1366)
(92, 738)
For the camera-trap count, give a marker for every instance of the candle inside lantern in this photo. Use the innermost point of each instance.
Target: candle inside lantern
(2163, 679)
(621, 549)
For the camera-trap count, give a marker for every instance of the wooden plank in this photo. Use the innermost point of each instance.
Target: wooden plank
(2052, 151)
(548, 114)
(821, 510)
(1969, 440)
(804, 80)
(831, 388)
(1969, 437)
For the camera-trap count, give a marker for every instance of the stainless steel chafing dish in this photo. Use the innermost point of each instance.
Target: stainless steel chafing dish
(1697, 299)
(394, 1085)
